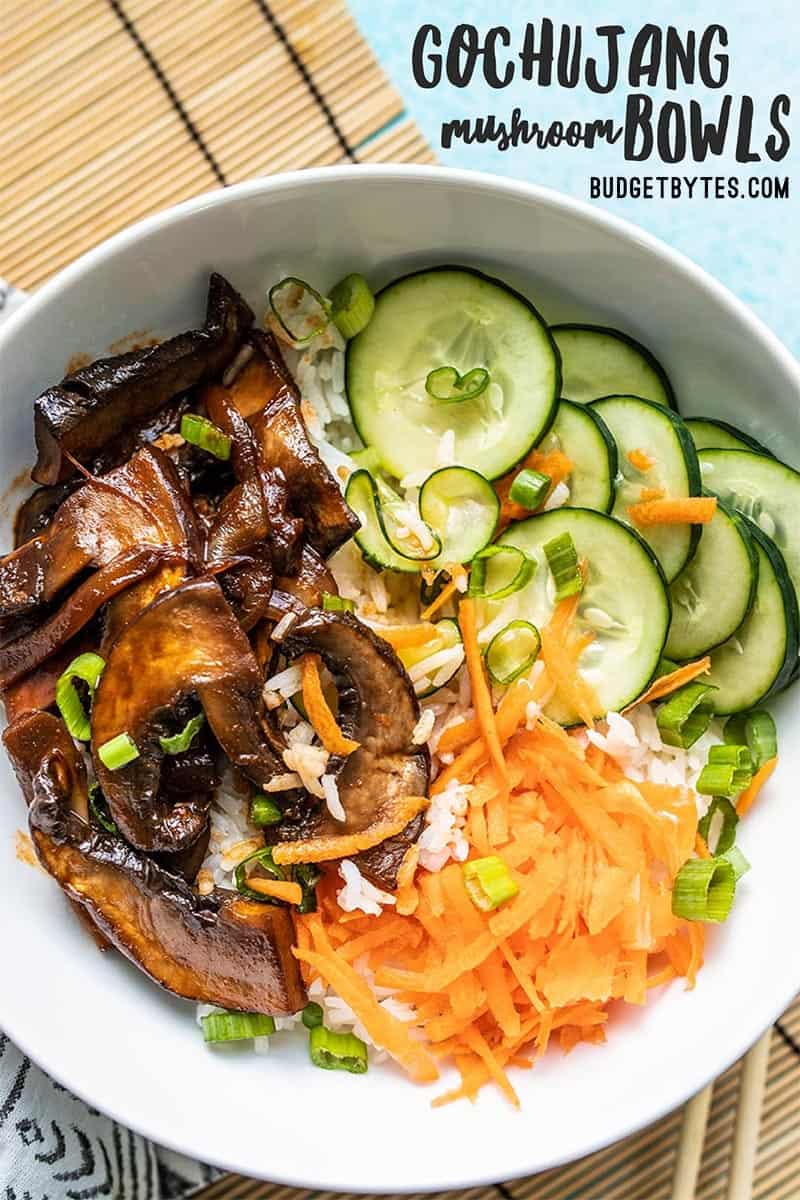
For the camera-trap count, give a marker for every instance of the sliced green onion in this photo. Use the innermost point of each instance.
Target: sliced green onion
(529, 488)
(294, 301)
(99, 809)
(205, 435)
(488, 882)
(308, 876)
(264, 811)
(727, 832)
(685, 716)
(756, 730)
(331, 603)
(562, 559)
(704, 889)
(89, 668)
(739, 758)
(352, 305)
(312, 1015)
(716, 779)
(118, 752)
(261, 858)
(179, 742)
(735, 730)
(236, 1026)
(513, 651)
(762, 737)
(521, 564)
(337, 1051)
(738, 861)
(448, 387)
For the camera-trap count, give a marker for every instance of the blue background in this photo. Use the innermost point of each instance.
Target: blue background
(751, 245)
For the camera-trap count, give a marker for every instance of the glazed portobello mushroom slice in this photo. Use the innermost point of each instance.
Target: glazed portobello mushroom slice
(187, 643)
(119, 582)
(140, 503)
(96, 404)
(252, 518)
(219, 949)
(383, 784)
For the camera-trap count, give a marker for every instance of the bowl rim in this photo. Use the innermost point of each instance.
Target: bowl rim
(457, 179)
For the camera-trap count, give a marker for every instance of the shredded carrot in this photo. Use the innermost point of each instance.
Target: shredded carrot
(651, 493)
(594, 856)
(641, 460)
(666, 684)
(481, 696)
(404, 636)
(561, 664)
(694, 510)
(277, 889)
(447, 593)
(552, 463)
(700, 847)
(398, 811)
(319, 714)
(750, 794)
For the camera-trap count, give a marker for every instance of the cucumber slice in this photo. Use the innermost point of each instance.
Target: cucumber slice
(624, 603)
(761, 656)
(455, 317)
(458, 512)
(763, 489)
(446, 638)
(462, 508)
(362, 496)
(597, 361)
(585, 439)
(719, 435)
(714, 593)
(638, 424)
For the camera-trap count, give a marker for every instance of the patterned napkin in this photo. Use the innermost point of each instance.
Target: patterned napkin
(55, 1147)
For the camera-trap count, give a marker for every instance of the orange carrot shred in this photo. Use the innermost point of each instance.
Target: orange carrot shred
(750, 794)
(481, 696)
(449, 590)
(405, 636)
(319, 714)
(701, 849)
(694, 510)
(277, 889)
(666, 684)
(641, 460)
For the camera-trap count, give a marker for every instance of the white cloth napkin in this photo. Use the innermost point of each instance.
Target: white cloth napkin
(55, 1147)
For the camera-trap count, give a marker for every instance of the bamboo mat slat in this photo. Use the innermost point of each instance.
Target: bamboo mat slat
(113, 109)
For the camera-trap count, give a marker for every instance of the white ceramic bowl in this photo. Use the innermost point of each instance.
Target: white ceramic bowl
(99, 1026)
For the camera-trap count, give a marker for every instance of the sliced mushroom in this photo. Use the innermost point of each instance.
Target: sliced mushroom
(265, 393)
(220, 949)
(33, 740)
(313, 492)
(93, 406)
(254, 513)
(140, 503)
(128, 573)
(382, 863)
(188, 642)
(383, 784)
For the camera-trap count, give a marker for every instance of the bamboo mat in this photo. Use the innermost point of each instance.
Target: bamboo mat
(113, 109)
